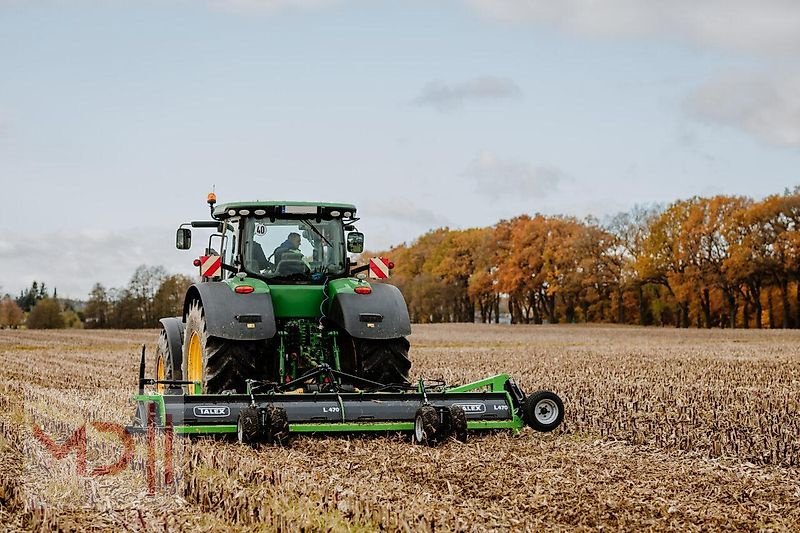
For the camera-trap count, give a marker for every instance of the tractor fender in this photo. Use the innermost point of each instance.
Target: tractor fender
(382, 314)
(233, 316)
(173, 327)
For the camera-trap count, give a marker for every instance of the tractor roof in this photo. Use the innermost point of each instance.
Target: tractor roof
(284, 209)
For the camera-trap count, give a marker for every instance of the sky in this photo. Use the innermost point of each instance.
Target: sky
(118, 117)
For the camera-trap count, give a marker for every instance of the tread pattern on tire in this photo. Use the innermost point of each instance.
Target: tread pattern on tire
(170, 372)
(250, 430)
(458, 423)
(162, 351)
(384, 361)
(227, 364)
(278, 426)
(431, 424)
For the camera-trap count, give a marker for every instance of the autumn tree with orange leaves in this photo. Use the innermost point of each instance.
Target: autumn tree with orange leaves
(723, 261)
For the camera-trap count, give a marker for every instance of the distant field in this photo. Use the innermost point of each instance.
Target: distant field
(665, 428)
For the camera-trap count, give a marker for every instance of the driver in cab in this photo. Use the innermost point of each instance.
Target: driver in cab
(290, 246)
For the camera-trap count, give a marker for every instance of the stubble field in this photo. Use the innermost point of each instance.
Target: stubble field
(664, 429)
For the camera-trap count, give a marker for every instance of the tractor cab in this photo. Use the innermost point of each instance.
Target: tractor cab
(290, 250)
(280, 242)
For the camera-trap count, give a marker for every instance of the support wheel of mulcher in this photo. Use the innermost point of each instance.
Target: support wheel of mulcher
(248, 430)
(458, 423)
(277, 426)
(543, 410)
(427, 425)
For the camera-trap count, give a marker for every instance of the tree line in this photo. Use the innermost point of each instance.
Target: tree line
(36, 309)
(722, 261)
(151, 294)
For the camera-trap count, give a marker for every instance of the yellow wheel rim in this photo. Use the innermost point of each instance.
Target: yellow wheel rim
(161, 374)
(194, 369)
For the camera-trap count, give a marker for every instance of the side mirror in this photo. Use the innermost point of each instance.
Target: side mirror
(355, 242)
(183, 239)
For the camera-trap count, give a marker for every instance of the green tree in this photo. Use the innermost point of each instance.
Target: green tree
(126, 312)
(168, 300)
(46, 315)
(31, 296)
(71, 319)
(98, 308)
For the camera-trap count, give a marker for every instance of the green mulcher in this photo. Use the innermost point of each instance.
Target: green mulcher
(285, 335)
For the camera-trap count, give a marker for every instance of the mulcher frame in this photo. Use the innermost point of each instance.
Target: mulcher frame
(491, 403)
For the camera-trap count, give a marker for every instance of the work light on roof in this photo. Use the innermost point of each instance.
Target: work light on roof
(300, 209)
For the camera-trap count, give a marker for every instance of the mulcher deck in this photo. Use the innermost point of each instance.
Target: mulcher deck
(325, 400)
(488, 404)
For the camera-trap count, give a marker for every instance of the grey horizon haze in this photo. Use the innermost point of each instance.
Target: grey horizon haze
(116, 119)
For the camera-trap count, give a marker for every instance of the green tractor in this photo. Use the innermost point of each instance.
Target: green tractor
(283, 335)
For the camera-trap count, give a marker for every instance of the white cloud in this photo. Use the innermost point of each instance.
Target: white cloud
(767, 107)
(448, 96)
(403, 210)
(496, 177)
(74, 261)
(766, 26)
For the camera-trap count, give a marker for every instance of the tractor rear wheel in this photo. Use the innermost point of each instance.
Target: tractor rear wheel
(165, 367)
(384, 361)
(219, 364)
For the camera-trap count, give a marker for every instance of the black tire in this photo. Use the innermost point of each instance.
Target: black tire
(170, 369)
(427, 426)
(277, 426)
(458, 423)
(248, 428)
(384, 361)
(227, 364)
(543, 410)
